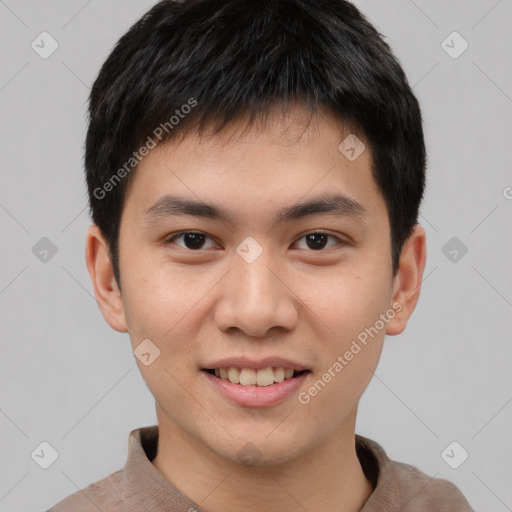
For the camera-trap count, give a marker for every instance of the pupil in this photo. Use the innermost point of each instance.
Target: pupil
(316, 243)
(194, 240)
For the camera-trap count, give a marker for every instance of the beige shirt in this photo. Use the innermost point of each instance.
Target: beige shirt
(140, 487)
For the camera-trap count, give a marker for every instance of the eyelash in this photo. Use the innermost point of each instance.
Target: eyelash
(171, 239)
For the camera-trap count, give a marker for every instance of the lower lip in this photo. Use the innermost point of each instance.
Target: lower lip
(256, 396)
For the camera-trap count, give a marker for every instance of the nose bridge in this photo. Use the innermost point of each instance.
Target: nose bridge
(256, 280)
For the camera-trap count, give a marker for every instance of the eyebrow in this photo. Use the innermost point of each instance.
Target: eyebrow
(333, 204)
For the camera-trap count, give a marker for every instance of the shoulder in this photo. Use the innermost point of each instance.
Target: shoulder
(105, 494)
(398, 485)
(423, 493)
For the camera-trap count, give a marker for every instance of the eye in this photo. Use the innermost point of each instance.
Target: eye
(195, 241)
(192, 240)
(317, 240)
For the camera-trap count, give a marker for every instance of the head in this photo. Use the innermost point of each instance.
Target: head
(254, 107)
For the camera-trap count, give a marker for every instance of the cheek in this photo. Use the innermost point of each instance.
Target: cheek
(353, 305)
(167, 306)
(157, 298)
(346, 302)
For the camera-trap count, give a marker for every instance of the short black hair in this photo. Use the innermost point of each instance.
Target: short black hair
(192, 64)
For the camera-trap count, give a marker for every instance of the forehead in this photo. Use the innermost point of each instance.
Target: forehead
(251, 168)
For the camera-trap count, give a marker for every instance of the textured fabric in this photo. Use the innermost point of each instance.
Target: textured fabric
(140, 487)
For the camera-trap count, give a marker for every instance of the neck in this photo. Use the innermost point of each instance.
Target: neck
(316, 481)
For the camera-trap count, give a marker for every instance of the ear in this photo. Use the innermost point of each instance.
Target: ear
(108, 295)
(407, 282)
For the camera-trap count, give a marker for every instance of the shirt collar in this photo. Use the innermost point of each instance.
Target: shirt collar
(150, 490)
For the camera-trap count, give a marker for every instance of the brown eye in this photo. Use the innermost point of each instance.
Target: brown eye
(317, 241)
(191, 240)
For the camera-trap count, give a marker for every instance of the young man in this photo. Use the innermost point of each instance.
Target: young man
(255, 170)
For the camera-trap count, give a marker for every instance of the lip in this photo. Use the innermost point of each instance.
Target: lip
(255, 364)
(255, 396)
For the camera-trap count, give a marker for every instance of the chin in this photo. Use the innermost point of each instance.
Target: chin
(262, 451)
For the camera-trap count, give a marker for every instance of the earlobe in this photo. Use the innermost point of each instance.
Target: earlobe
(407, 282)
(108, 295)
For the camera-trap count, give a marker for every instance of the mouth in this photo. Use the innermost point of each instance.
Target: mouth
(255, 383)
(255, 377)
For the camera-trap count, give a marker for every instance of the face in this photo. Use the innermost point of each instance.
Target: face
(293, 301)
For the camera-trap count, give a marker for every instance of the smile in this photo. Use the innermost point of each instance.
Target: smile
(260, 386)
(252, 377)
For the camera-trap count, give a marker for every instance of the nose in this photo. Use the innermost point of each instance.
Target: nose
(256, 298)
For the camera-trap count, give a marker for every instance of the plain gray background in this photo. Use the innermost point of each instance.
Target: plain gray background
(69, 380)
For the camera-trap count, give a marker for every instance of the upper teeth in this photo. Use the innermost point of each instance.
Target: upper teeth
(250, 377)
